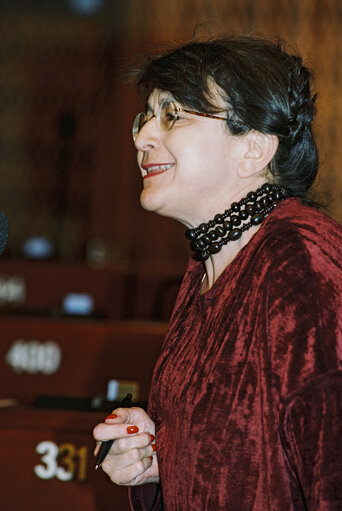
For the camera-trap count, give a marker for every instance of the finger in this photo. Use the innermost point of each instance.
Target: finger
(119, 415)
(126, 475)
(130, 457)
(103, 431)
(122, 445)
(133, 415)
(97, 447)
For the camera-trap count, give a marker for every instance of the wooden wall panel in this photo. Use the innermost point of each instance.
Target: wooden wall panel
(110, 42)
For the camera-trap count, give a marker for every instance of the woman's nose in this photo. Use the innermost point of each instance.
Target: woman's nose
(148, 136)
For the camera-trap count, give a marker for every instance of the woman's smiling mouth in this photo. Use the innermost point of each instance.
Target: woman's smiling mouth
(156, 168)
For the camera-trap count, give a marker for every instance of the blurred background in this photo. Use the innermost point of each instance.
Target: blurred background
(86, 268)
(67, 161)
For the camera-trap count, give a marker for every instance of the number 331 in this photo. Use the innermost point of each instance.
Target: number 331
(72, 461)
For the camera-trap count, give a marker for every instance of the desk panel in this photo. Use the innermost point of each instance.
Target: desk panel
(75, 358)
(47, 463)
(39, 287)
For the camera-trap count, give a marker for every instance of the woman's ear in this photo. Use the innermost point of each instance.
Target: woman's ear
(259, 152)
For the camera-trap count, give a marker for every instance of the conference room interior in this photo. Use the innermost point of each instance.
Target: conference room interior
(88, 279)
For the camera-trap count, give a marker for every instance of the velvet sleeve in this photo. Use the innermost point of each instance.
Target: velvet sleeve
(305, 342)
(311, 432)
(147, 497)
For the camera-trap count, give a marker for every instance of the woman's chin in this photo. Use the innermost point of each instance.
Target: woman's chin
(156, 203)
(150, 201)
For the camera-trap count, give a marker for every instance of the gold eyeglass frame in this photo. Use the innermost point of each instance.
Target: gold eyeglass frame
(137, 125)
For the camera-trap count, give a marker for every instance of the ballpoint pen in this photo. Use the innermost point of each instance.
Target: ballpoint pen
(105, 446)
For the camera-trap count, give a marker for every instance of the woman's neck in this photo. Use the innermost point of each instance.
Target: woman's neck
(217, 263)
(218, 241)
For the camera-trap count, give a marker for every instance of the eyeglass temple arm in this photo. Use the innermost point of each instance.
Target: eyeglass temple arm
(211, 116)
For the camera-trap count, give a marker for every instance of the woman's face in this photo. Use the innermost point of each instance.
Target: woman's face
(189, 172)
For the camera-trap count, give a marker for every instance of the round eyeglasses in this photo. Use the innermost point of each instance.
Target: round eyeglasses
(167, 115)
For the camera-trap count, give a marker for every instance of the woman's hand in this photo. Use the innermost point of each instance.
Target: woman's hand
(131, 460)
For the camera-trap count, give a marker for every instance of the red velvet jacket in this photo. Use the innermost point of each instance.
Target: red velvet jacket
(247, 393)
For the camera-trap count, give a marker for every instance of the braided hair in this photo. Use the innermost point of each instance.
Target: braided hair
(265, 88)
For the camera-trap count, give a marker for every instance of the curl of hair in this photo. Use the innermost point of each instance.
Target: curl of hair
(265, 89)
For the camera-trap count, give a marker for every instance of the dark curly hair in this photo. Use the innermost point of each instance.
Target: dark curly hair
(265, 88)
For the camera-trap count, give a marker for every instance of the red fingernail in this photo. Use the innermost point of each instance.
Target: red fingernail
(154, 447)
(151, 458)
(152, 438)
(132, 429)
(111, 416)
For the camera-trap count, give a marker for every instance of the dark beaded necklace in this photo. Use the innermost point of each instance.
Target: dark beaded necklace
(209, 238)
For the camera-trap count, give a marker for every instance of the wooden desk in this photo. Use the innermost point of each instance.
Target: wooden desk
(119, 292)
(40, 286)
(47, 463)
(75, 358)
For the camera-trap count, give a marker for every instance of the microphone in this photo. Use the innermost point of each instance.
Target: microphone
(4, 228)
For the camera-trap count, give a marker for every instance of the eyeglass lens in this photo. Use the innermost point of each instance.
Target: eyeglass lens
(139, 122)
(166, 117)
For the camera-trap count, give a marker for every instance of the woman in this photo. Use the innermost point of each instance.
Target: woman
(245, 404)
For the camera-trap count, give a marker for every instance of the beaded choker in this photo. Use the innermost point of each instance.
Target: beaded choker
(209, 238)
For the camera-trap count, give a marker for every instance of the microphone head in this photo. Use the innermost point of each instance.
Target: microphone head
(4, 228)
